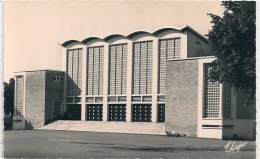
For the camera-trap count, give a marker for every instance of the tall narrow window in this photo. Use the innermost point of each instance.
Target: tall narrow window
(56, 109)
(117, 69)
(211, 95)
(19, 95)
(74, 72)
(95, 63)
(142, 67)
(168, 49)
(226, 101)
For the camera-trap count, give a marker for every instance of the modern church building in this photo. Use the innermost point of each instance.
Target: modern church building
(146, 83)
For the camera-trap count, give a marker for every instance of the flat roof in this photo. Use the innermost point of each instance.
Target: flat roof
(39, 70)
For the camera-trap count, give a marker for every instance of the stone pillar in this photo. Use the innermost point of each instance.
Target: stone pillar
(83, 92)
(155, 81)
(129, 82)
(105, 83)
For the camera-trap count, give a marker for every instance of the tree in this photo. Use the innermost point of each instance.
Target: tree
(232, 41)
(9, 96)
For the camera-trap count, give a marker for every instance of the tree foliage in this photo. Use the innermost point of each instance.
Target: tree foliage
(232, 40)
(9, 96)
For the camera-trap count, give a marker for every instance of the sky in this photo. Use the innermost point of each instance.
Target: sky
(33, 30)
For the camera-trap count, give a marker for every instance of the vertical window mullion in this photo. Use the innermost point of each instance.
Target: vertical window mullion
(146, 72)
(115, 69)
(140, 61)
(93, 71)
(72, 72)
(122, 56)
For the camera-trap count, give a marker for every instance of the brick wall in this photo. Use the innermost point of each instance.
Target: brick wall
(181, 97)
(54, 91)
(34, 98)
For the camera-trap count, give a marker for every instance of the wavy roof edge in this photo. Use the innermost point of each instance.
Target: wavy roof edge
(129, 36)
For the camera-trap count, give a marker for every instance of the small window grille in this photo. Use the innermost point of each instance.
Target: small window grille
(74, 72)
(56, 108)
(112, 99)
(57, 78)
(99, 99)
(147, 98)
(117, 69)
(122, 99)
(117, 112)
(95, 112)
(211, 95)
(142, 67)
(95, 64)
(136, 99)
(168, 49)
(90, 99)
(142, 112)
(161, 112)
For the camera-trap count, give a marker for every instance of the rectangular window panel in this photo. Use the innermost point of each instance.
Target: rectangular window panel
(226, 101)
(168, 49)
(77, 99)
(74, 72)
(117, 69)
(99, 99)
(136, 99)
(90, 99)
(142, 67)
(161, 99)
(117, 112)
(95, 66)
(94, 112)
(161, 112)
(122, 99)
(112, 99)
(74, 111)
(56, 109)
(147, 99)
(142, 112)
(211, 95)
(19, 94)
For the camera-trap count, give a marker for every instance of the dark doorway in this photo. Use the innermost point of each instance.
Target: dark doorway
(74, 111)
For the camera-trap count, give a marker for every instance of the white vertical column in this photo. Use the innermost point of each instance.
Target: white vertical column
(200, 106)
(129, 81)
(221, 94)
(24, 93)
(105, 83)
(155, 81)
(184, 46)
(64, 68)
(83, 76)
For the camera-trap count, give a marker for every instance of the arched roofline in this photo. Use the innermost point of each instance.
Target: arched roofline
(113, 36)
(137, 33)
(90, 39)
(195, 33)
(163, 30)
(66, 43)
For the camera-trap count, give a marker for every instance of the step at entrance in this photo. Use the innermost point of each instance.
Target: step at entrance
(110, 126)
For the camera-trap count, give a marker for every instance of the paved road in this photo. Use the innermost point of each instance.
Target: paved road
(68, 144)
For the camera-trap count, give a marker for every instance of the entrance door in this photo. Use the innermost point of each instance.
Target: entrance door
(74, 111)
(56, 109)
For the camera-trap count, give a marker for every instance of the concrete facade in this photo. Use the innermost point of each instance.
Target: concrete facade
(39, 92)
(186, 104)
(190, 43)
(151, 78)
(35, 98)
(181, 99)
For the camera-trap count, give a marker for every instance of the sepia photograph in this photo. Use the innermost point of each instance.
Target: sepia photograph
(129, 79)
